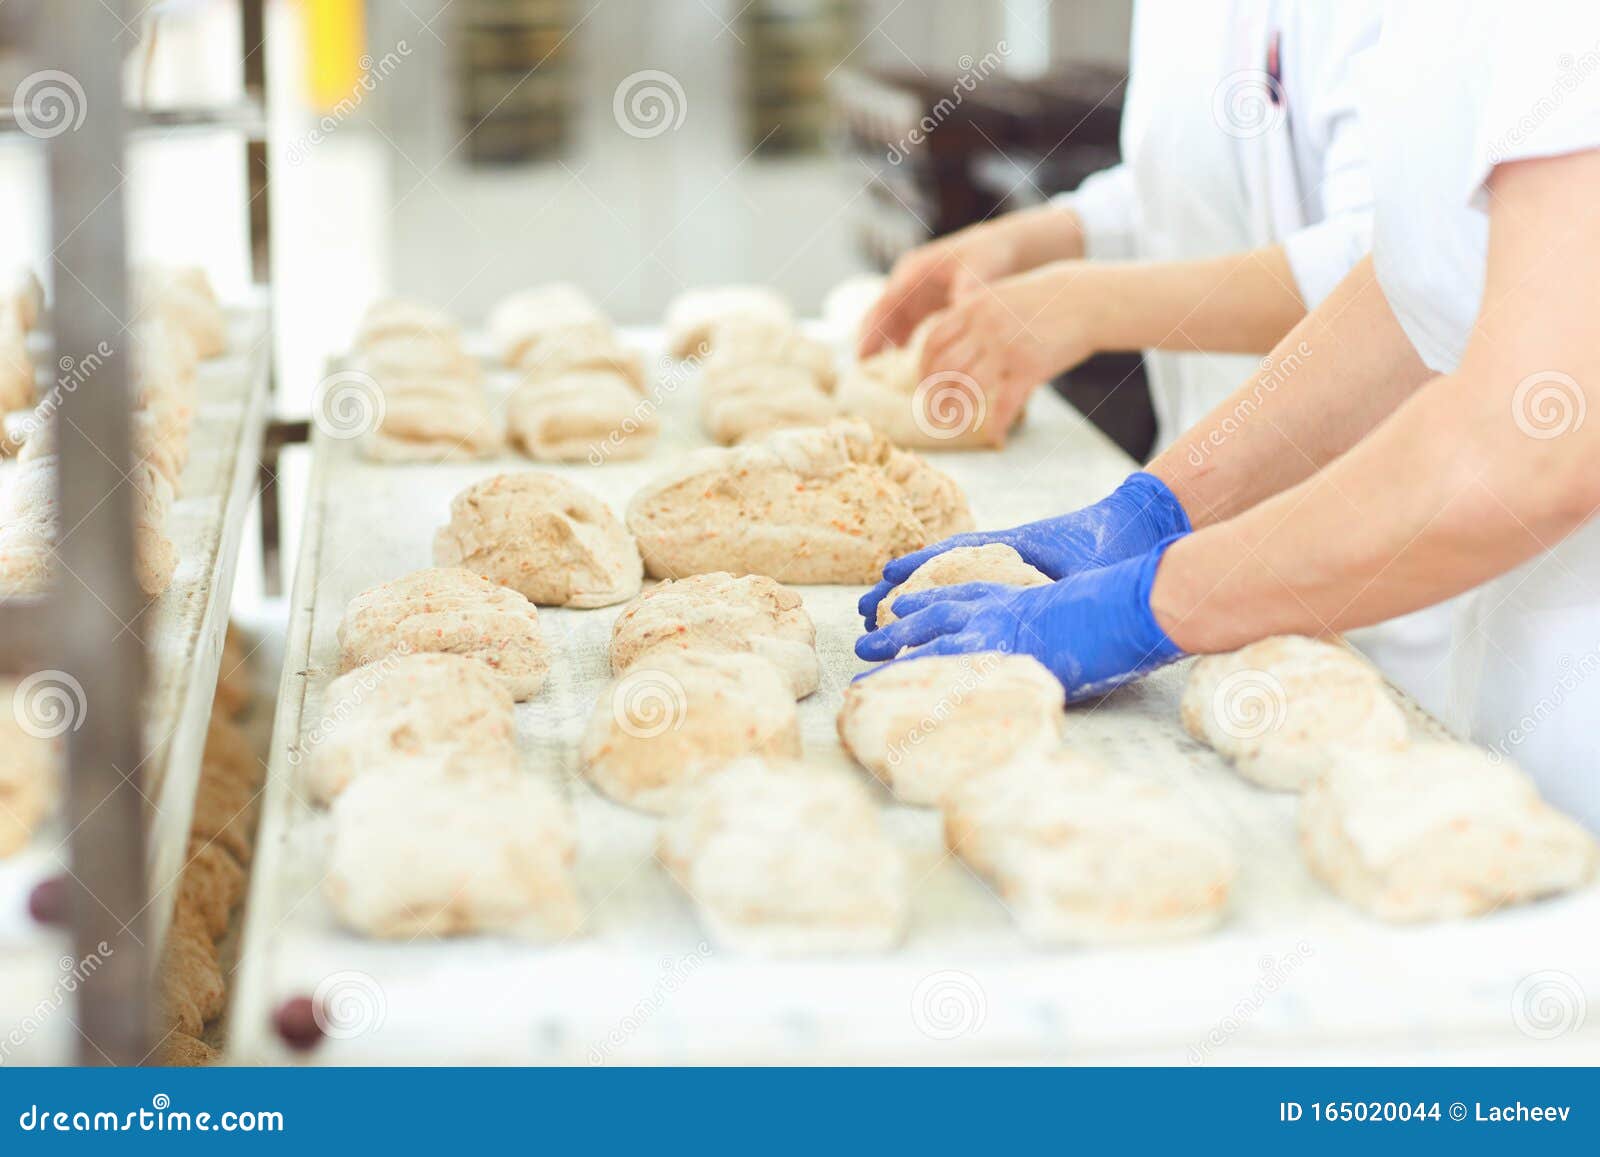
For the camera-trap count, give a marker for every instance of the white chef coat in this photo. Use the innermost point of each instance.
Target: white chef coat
(1211, 166)
(1458, 86)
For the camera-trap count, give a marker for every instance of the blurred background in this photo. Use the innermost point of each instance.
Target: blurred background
(456, 150)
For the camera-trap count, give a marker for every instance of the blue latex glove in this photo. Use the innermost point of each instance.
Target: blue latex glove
(1132, 519)
(1094, 630)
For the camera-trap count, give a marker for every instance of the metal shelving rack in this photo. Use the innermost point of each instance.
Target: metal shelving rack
(95, 627)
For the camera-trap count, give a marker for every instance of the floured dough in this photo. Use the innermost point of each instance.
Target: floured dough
(419, 852)
(212, 883)
(694, 315)
(937, 411)
(1438, 831)
(449, 610)
(572, 351)
(783, 859)
(443, 706)
(27, 775)
(16, 368)
(1281, 709)
(524, 322)
(163, 452)
(719, 612)
(183, 296)
(830, 504)
(583, 415)
(1081, 856)
(671, 722)
(761, 377)
(536, 533)
(433, 419)
(397, 317)
(992, 562)
(925, 726)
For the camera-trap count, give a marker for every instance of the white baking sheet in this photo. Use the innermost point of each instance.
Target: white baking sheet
(1293, 974)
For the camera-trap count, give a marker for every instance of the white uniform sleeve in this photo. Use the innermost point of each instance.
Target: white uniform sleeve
(1541, 99)
(1108, 205)
(1325, 47)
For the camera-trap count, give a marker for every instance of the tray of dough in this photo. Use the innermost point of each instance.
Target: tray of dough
(183, 629)
(1292, 974)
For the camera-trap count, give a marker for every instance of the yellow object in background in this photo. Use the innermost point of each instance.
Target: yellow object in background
(336, 37)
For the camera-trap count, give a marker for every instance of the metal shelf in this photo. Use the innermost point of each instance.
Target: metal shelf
(246, 118)
(182, 632)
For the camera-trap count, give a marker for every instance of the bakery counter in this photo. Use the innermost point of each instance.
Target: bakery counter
(183, 630)
(1292, 973)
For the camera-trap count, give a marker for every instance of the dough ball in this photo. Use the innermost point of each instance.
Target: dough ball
(538, 534)
(191, 973)
(936, 411)
(829, 504)
(213, 883)
(1283, 708)
(447, 707)
(416, 853)
(680, 717)
(720, 613)
(433, 419)
(785, 859)
(1081, 856)
(183, 296)
(584, 350)
(16, 370)
(694, 315)
(926, 725)
(401, 357)
(993, 562)
(398, 317)
(27, 556)
(1438, 831)
(522, 324)
(582, 416)
(180, 1050)
(748, 401)
(448, 610)
(741, 342)
(28, 775)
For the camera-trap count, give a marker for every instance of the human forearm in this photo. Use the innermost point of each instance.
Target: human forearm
(1334, 377)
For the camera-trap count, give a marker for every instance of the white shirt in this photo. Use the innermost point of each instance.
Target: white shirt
(1212, 166)
(1459, 86)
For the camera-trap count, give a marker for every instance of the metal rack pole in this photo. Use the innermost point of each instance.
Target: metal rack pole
(97, 597)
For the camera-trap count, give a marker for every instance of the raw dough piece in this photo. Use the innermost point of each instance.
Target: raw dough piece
(400, 358)
(937, 411)
(23, 299)
(447, 707)
(27, 775)
(1283, 708)
(433, 419)
(694, 315)
(192, 973)
(16, 368)
(783, 859)
(225, 808)
(448, 610)
(1079, 855)
(671, 722)
(752, 400)
(742, 342)
(1438, 831)
(535, 533)
(569, 351)
(398, 317)
(926, 726)
(581, 416)
(718, 612)
(179, 1050)
(167, 455)
(416, 852)
(183, 296)
(994, 562)
(831, 504)
(523, 323)
(213, 882)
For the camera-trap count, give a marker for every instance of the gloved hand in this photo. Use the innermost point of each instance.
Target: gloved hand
(1129, 521)
(1094, 630)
